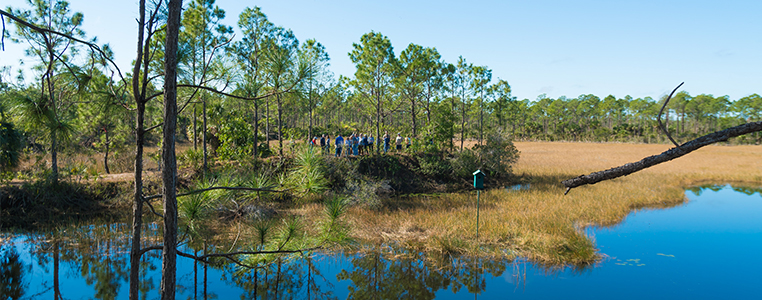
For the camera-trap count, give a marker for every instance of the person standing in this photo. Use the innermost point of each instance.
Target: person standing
(408, 142)
(348, 146)
(386, 141)
(355, 143)
(398, 142)
(371, 141)
(361, 144)
(327, 149)
(339, 144)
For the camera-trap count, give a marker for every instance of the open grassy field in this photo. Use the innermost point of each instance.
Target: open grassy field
(542, 224)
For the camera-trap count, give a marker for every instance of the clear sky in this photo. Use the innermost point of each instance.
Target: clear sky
(560, 48)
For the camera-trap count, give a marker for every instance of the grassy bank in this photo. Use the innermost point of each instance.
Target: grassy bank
(541, 223)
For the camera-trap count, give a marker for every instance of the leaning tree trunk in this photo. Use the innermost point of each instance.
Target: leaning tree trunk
(665, 156)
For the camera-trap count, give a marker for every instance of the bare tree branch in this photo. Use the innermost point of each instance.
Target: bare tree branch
(231, 255)
(665, 156)
(39, 29)
(658, 118)
(144, 250)
(213, 90)
(2, 36)
(146, 200)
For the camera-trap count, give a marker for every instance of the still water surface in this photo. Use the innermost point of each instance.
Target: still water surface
(708, 248)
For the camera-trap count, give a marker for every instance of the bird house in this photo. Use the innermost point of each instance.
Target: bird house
(479, 179)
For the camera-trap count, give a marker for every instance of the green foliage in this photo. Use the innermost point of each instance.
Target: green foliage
(366, 192)
(192, 158)
(465, 163)
(432, 164)
(333, 227)
(11, 145)
(442, 127)
(308, 177)
(496, 156)
(236, 139)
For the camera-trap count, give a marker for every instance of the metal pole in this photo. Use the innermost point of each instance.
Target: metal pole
(477, 214)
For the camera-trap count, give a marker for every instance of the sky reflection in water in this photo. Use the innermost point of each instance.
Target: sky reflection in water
(707, 248)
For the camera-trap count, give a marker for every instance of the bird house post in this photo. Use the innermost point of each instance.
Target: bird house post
(478, 185)
(479, 180)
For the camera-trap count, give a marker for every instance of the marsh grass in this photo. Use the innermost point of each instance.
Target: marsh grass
(542, 224)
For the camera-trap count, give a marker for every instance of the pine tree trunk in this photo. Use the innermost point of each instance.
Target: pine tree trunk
(169, 169)
(280, 125)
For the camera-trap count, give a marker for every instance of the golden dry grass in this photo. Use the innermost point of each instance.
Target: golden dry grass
(541, 223)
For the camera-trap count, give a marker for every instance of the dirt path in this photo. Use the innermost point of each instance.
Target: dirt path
(120, 177)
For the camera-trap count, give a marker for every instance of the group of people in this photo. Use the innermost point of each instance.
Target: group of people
(357, 144)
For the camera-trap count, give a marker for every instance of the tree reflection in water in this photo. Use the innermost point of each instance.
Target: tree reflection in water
(411, 275)
(99, 254)
(12, 272)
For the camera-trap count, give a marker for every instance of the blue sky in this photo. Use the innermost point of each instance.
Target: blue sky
(560, 48)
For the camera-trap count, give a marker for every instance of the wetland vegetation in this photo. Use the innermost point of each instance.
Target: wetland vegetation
(231, 193)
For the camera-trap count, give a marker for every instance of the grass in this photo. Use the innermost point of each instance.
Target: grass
(541, 223)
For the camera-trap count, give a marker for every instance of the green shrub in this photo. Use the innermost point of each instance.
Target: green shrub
(10, 147)
(465, 163)
(433, 165)
(191, 158)
(496, 156)
(236, 139)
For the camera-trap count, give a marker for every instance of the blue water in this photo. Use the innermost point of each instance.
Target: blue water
(707, 248)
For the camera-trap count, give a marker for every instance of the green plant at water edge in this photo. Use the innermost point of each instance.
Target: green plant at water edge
(334, 229)
(193, 209)
(260, 181)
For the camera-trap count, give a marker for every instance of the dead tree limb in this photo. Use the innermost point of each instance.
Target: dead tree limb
(658, 118)
(42, 30)
(665, 156)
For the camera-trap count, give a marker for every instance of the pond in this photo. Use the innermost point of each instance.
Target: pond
(706, 248)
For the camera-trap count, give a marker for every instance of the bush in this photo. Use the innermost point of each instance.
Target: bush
(497, 155)
(433, 165)
(236, 139)
(465, 163)
(191, 158)
(494, 158)
(10, 147)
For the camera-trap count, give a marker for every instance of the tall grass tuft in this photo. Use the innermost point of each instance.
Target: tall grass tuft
(308, 178)
(334, 229)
